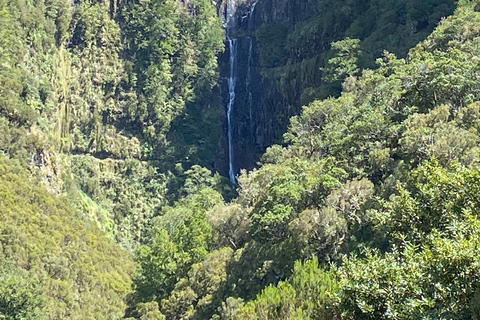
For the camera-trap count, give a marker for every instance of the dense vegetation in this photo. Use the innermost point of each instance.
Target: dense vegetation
(90, 95)
(54, 264)
(96, 102)
(295, 53)
(110, 121)
(376, 190)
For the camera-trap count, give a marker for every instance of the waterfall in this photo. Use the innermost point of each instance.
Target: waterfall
(251, 18)
(230, 16)
(252, 9)
(232, 43)
(232, 79)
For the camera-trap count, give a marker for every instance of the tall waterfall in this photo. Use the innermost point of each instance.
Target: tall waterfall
(235, 45)
(232, 43)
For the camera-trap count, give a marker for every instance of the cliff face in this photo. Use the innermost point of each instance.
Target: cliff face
(283, 46)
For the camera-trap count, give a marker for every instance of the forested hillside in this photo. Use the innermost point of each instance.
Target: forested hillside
(54, 264)
(112, 132)
(98, 103)
(91, 92)
(369, 210)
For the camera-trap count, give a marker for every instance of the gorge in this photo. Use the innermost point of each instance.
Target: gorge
(239, 159)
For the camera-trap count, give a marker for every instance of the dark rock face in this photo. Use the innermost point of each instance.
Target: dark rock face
(261, 112)
(282, 47)
(253, 116)
(246, 115)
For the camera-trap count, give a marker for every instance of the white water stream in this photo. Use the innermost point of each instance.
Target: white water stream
(232, 80)
(232, 43)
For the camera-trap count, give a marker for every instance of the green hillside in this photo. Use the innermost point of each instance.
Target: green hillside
(112, 133)
(55, 264)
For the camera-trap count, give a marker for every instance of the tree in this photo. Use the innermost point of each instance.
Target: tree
(180, 237)
(344, 63)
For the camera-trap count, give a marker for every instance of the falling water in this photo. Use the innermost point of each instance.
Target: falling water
(232, 80)
(232, 43)
(230, 18)
(252, 9)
